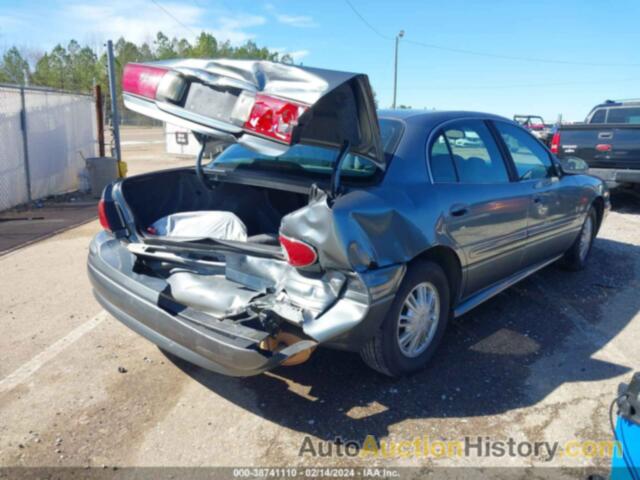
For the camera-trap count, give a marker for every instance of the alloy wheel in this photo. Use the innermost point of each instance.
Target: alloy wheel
(585, 238)
(418, 320)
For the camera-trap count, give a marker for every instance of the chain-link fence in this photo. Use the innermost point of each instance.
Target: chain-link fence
(44, 137)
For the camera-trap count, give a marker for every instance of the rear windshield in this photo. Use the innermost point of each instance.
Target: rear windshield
(624, 115)
(310, 160)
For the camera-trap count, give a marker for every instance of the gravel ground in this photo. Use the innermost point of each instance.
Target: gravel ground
(540, 363)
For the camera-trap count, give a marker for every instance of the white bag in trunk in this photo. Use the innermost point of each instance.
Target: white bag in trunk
(217, 225)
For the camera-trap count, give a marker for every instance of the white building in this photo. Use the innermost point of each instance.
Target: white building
(180, 141)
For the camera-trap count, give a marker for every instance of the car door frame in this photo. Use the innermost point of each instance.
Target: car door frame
(513, 251)
(551, 237)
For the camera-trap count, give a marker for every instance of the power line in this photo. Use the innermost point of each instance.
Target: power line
(517, 58)
(167, 12)
(521, 85)
(485, 54)
(364, 20)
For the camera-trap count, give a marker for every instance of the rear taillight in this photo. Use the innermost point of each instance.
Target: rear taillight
(102, 216)
(555, 142)
(603, 147)
(298, 253)
(142, 80)
(271, 117)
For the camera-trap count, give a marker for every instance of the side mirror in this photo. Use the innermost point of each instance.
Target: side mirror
(574, 165)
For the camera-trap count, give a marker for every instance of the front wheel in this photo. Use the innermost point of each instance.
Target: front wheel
(576, 257)
(415, 323)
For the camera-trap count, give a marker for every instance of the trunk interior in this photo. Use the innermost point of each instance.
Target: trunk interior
(227, 284)
(153, 196)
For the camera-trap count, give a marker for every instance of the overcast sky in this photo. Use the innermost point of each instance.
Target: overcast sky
(503, 56)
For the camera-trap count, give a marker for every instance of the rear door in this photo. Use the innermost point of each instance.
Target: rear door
(553, 200)
(265, 106)
(485, 213)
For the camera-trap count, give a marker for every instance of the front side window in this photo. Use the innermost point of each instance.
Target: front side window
(475, 155)
(529, 156)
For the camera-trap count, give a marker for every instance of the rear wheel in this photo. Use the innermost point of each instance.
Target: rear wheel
(576, 257)
(415, 323)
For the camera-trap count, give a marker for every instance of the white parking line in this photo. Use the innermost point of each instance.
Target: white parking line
(32, 366)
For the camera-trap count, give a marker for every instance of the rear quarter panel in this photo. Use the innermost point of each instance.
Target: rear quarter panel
(390, 223)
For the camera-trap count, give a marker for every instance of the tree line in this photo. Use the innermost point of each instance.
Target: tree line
(76, 68)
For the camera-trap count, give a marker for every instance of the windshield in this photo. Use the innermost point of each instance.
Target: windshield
(310, 160)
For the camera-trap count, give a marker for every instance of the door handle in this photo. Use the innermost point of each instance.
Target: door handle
(458, 210)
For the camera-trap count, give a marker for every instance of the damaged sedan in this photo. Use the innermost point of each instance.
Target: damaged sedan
(310, 219)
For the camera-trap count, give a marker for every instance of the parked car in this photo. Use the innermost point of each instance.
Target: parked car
(609, 141)
(312, 220)
(535, 124)
(470, 140)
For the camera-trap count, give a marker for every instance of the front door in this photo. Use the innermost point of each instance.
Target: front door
(553, 217)
(485, 213)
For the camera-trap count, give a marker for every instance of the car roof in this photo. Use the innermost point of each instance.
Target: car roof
(618, 103)
(431, 118)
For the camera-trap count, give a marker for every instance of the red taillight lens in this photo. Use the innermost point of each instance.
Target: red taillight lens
(555, 142)
(142, 80)
(102, 216)
(298, 253)
(273, 117)
(603, 147)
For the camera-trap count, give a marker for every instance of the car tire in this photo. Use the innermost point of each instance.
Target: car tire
(388, 351)
(576, 257)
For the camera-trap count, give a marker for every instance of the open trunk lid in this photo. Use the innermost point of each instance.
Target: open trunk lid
(263, 105)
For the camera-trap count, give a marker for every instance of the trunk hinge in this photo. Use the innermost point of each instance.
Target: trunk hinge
(213, 149)
(337, 167)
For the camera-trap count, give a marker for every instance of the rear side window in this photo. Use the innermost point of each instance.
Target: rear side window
(529, 156)
(476, 157)
(599, 116)
(442, 169)
(624, 115)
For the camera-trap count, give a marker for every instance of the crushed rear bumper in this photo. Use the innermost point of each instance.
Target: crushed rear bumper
(217, 345)
(222, 345)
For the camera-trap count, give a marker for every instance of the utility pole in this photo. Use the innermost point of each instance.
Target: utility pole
(395, 69)
(115, 118)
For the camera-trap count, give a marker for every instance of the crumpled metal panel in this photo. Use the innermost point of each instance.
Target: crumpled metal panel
(341, 105)
(302, 84)
(359, 231)
(303, 296)
(196, 290)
